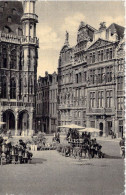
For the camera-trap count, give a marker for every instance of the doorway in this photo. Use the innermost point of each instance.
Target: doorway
(101, 129)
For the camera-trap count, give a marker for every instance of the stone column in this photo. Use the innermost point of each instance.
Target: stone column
(30, 122)
(104, 128)
(116, 127)
(16, 124)
(1, 116)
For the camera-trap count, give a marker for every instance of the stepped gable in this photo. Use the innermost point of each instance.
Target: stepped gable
(10, 16)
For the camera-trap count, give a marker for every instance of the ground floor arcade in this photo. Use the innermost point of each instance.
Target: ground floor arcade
(19, 122)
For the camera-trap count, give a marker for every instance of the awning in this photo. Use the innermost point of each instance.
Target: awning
(72, 126)
(91, 130)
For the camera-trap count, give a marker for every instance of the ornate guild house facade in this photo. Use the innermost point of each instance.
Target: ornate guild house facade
(18, 66)
(46, 103)
(91, 79)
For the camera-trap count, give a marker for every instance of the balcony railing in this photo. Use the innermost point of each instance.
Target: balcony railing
(30, 16)
(10, 38)
(14, 104)
(100, 110)
(30, 40)
(18, 39)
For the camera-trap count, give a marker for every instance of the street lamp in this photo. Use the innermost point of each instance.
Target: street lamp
(39, 125)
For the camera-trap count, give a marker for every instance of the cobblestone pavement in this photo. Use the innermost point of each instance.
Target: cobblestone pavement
(50, 173)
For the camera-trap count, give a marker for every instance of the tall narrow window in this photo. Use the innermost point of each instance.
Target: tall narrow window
(90, 58)
(120, 83)
(100, 99)
(4, 57)
(120, 103)
(93, 58)
(92, 76)
(107, 54)
(20, 88)
(110, 53)
(31, 85)
(76, 78)
(92, 99)
(12, 88)
(3, 87)
(13, 59)
(109, 74)
(99, 56)
(109, 99)
(100, 75)
(102, 55)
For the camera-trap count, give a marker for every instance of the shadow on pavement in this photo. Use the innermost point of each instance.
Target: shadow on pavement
(38, 161)
(112, 157)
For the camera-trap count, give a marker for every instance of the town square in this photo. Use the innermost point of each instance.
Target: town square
(62, 98)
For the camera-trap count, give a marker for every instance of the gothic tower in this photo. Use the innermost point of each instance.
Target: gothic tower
(18, 66)
(30, 52)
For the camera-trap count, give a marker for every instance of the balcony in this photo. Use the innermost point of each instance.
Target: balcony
(16, 104)
(65, 106)
(101, 111)
(29, 40)
(29, 16)
(120, 113)
(10, 38)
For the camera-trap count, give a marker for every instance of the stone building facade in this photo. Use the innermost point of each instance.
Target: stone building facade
(46, 101)
(18, 66)
(91, 79)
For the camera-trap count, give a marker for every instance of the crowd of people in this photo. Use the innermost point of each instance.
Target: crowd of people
(122, 147)
(11, 153)
(83, 144)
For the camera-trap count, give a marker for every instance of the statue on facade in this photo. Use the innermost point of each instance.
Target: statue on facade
(102, 25)
(67, 38)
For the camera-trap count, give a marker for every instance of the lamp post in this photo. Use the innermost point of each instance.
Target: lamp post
(39, 125)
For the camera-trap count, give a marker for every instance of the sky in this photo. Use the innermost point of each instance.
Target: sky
(55, 17)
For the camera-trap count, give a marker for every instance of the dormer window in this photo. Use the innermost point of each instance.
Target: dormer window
(1, 9)
(5, 4)
(13, 11)
(7, 29)
(19, 32)
(9, 19)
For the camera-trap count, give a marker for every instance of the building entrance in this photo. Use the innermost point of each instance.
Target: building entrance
(109, 128)
(9, 119)
(101, 128)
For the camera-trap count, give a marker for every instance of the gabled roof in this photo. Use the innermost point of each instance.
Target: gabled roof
(119, 29)
(99, 43)
(65, 48)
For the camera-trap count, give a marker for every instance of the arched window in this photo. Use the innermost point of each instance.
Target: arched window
(20, 88)
(7, 29)
(4, 57)
(13, 59)
(12, 88)
(31, 85)
(13, 11)
(3, 91)
(20, 33)
(9, 19)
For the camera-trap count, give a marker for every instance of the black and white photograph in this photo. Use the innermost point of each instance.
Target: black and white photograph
(62, 97)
